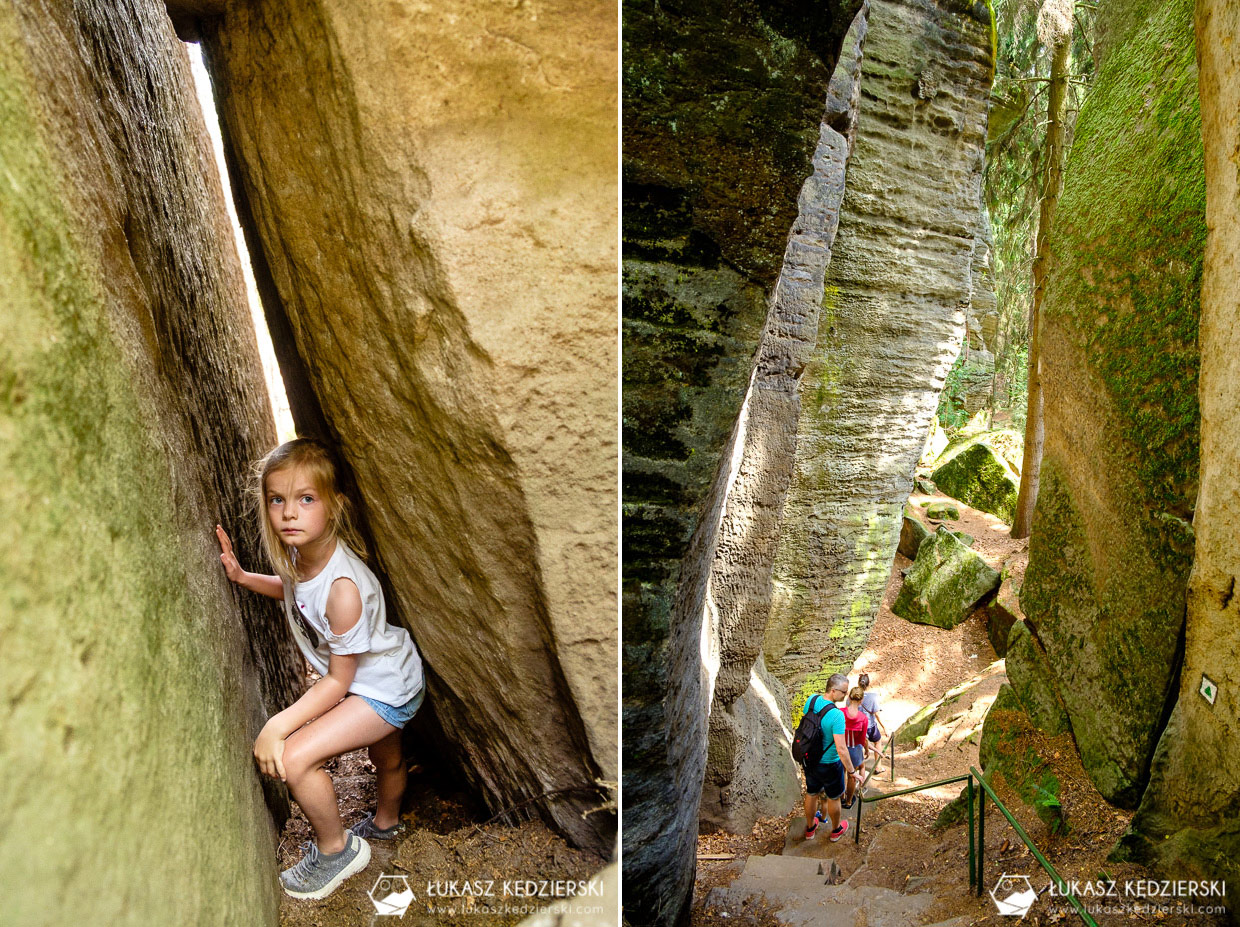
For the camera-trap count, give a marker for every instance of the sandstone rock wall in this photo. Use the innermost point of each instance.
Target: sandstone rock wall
(1186, 825)
(434, 200)
(1112, 542)
(131, 404)
(893, 320)
(750, 773)
(723, 104)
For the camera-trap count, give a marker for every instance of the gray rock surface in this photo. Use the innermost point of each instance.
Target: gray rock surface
(750, 772)
(438, 241)
(1033, 680)
(711, 193)
(131, 405)
(870, 390)
(912, 533)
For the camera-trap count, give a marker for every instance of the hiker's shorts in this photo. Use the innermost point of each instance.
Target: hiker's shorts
(827, 778)
(397, 715)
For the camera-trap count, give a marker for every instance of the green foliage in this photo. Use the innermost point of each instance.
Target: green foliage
(951, 411)
(1014, 172)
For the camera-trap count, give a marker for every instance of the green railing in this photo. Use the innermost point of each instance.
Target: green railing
(977, 844)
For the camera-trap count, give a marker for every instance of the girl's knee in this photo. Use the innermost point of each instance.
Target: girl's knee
(297, 764)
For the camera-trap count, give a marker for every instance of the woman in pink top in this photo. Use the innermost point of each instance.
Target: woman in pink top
(856, 722)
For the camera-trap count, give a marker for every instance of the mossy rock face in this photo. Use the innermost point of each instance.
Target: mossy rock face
(1004, 751)
(942, 511)
(925, 486)
(918, 725)
(912, 533)
(1001, 613)
(1110, 556)
(945, 583)
(978, 475)
(1033, 681)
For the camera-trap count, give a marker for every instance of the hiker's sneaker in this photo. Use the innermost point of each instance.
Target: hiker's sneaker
(317, 876)
(848, 803)
(811, 832)
(366, 829)
(818, 816)
(839, 831)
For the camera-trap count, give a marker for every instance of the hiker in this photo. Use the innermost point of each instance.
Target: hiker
(825, 757)
(371, 674)
(877, 730)
(856, 726)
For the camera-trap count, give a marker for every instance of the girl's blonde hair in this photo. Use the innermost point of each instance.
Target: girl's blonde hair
(856, 694)
(314, 459)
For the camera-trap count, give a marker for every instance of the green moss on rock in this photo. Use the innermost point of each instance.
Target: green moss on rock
(977, 474)
(945, 583)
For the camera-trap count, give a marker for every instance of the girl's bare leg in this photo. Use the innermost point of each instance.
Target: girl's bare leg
(390, 775)
(349, 725)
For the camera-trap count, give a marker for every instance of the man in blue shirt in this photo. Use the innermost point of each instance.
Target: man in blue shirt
(826, 778)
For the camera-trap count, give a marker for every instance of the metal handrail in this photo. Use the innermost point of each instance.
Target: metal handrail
(1020, 832)
(977, 846)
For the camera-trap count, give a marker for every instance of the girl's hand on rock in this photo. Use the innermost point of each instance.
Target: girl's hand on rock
(232, 569)
(269, 752)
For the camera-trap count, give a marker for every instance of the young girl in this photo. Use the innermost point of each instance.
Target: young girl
(878, 730)
(371, 683)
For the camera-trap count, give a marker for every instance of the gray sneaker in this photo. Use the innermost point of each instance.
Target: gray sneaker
(366, 828)
(317, 876)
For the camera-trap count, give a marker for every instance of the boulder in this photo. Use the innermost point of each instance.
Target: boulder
(925, 486)
(976, 474)
(945, 583)
(131, 407)
(1033, 681)
(942, 511)
(715, 181)
(912, 533)
(437, 239)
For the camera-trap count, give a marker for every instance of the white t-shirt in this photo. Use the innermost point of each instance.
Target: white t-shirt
(389, 668)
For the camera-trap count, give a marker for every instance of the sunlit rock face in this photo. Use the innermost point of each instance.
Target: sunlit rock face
(909, 259)
(432, 196)
(1112, 540)
(131, 405)
(750, 773)
(723, 108)
(1186, 825)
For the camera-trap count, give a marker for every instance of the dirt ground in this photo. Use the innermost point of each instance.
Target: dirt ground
(446, 838)
(911, 666)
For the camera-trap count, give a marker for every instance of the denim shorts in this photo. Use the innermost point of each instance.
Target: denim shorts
(397, 715)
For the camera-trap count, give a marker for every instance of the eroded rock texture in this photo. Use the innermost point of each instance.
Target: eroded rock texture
(131, 403)
(1112, 543)
(750, 772)
(723, 106)
(1187, 824)
(893, 322)
(433, 196)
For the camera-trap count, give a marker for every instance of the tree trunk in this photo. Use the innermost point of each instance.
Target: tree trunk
(1034, 430)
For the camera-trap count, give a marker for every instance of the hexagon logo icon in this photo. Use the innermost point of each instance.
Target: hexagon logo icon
(1013, 895)
(391, 895)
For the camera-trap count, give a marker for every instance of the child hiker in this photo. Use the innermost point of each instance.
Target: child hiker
(371, 683)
